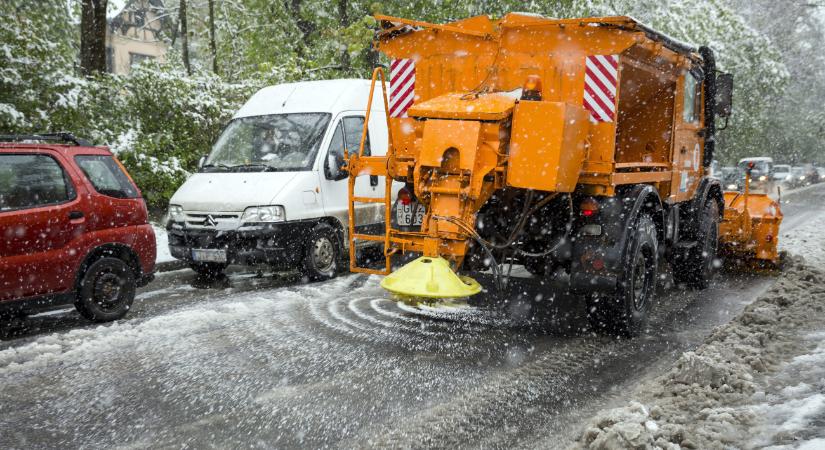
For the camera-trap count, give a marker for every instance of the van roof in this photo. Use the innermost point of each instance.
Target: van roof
(331, 96)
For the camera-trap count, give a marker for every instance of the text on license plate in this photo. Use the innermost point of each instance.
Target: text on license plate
(404, 214)
(209, 255)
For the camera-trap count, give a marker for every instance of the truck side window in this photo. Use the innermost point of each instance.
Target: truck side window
(690, 112)
(353, 128)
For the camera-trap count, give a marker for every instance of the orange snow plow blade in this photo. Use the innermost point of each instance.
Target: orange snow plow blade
(750, 228)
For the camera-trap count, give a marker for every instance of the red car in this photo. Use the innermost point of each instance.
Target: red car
(73, 228)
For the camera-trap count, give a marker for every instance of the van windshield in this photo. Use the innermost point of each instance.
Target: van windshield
(277, 142)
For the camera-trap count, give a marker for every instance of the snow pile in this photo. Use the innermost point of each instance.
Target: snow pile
(706, 399)
(162, 242)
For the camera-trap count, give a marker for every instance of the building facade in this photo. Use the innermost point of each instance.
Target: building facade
(135, 34)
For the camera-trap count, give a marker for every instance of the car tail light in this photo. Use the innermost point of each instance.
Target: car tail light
(589, 207)
(404, 196)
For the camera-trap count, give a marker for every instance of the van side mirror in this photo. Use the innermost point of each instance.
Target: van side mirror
(201, 161)
(724, 94)
(333, 167)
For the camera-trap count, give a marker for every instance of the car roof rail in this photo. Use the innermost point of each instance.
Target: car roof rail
(62, 137)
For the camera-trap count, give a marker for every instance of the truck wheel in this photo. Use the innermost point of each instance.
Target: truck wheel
(625, 312)
(208, 269)
(321, 253)
(697, 268)
(106, 291)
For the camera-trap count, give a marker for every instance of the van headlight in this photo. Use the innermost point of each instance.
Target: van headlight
(175, 213)
(264, 214)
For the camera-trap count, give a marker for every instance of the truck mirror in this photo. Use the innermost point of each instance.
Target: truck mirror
(724, 94)
(201, 160)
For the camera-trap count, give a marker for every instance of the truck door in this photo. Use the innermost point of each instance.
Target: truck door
(40, 218)
(688, 145)
(347, 135)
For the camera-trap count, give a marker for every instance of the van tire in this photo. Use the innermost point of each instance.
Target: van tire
(625, 312)
(322, 253)
(208, 269)
(696, 268)
(106, 291)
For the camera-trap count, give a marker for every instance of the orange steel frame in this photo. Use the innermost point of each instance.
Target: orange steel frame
(466, 58)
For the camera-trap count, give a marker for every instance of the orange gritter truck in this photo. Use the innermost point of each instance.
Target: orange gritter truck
(574, 146)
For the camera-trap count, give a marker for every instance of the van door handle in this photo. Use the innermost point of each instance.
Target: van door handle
(74, 215)
(373, 180)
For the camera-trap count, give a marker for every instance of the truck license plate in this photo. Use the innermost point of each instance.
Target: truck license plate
(209, 255)
(405, 217)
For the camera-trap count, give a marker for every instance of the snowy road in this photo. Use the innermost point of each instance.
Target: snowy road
(261, 361)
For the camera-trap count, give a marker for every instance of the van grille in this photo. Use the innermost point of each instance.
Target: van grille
(218, 221)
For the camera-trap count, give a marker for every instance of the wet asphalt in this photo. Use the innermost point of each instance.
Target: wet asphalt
(265, 360)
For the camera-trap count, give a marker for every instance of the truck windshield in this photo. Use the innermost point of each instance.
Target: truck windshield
(277, 142)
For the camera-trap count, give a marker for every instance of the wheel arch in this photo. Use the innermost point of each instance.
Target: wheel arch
(116, 250)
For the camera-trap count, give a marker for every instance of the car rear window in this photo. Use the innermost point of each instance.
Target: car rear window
(31, 181)
(106, 176)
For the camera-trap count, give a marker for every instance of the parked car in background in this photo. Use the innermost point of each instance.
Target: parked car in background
(74, 228)
(781, 173)
(272, 190)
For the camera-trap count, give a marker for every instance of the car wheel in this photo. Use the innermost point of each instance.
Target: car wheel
(208, 269)
(696, 269)
(321, 253)
(106, 291)
(625, 312)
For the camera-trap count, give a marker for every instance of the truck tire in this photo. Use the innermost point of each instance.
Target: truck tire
(208, 269)
(106, 291)
(625, 312)
(696, 268)
(322, 253)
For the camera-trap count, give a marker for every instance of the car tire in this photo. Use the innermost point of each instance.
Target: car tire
(625, 312)
(696, 268)
(322, 253)
(106, 291)
(208, 269)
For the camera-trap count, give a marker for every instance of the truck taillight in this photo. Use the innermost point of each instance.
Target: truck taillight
(589, 207)
(404, 196)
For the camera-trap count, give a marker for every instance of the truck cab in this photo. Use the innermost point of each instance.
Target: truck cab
(272, 190)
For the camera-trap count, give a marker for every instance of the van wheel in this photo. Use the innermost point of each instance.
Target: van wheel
(321, 253)
(209, 269)
(106, 291)
(625, 312)
(696, 268)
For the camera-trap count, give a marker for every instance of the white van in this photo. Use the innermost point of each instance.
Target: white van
(271, 190)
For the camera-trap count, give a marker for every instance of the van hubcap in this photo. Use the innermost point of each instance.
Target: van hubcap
(323, 254)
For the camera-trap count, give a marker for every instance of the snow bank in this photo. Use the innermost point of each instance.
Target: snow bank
(756, 381)
(707, 398)
(162, 240)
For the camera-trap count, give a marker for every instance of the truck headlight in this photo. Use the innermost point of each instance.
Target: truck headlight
(264, 214)
(175, 213)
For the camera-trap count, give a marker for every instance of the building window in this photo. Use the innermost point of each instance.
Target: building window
(137, 58)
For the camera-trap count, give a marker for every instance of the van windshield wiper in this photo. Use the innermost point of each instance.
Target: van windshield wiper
(265, 167)
(220, 165)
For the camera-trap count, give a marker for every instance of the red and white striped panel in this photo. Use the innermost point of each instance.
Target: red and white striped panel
(402, 86)
(601, 76)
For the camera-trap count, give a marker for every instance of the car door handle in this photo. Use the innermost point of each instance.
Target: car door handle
(74, 215)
